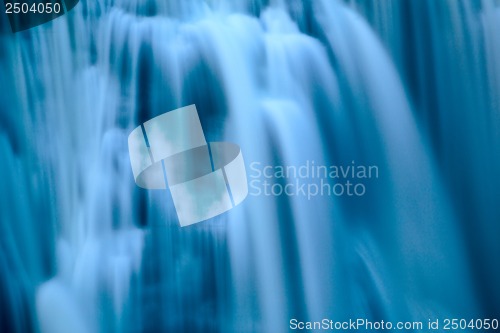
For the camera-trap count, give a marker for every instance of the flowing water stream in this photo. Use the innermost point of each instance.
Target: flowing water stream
(411, 87)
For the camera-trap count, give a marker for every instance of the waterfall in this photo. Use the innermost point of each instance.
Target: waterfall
(410, 87)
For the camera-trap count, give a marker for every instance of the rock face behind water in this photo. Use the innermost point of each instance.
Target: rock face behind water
(410, 87)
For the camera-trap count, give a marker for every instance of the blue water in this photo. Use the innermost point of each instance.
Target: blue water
(409, 86)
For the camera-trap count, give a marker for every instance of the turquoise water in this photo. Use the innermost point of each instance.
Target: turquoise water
(411, 87)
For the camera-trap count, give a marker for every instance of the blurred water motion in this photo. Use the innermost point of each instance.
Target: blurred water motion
(410, 86)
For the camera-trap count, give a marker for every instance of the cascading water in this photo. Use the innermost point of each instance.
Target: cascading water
(413, 92)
